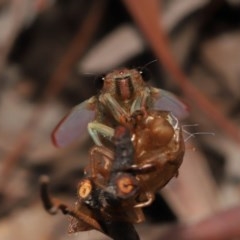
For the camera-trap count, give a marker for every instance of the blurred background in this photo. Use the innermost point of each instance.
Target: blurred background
(51, 51)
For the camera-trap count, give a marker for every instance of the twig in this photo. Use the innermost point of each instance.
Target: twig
(121, 230)
(117, 230)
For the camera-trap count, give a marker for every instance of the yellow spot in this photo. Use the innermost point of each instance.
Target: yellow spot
(125, 185)
(85, 188)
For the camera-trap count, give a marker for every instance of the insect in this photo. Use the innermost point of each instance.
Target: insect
(123, 177)
(124, 92)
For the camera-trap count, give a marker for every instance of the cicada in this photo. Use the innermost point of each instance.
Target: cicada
(124, 92)
(146, 152)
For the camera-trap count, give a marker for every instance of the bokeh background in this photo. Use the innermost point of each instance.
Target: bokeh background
(50, 54)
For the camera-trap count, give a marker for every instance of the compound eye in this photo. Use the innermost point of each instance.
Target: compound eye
(145, 73)
(99, 81)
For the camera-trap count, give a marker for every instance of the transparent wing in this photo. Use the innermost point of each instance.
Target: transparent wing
(74, 125)
(167, 101)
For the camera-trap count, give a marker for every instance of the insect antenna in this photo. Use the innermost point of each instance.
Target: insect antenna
(149, 63)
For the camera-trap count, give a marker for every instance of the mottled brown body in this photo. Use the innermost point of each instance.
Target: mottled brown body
(158, 153)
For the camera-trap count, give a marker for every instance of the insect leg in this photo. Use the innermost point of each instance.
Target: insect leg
(140, 103)
(115, 108)
(95, 128)
(150, 197)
